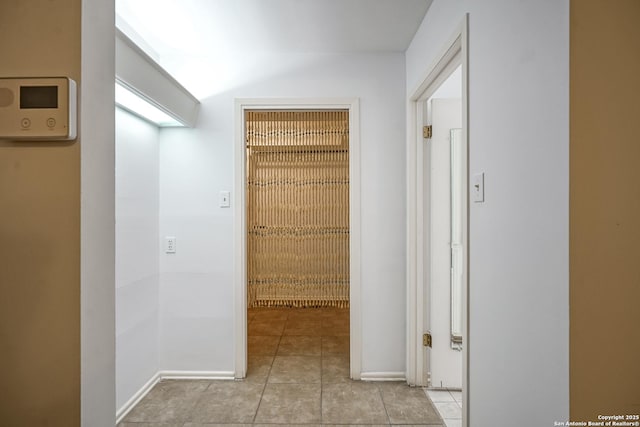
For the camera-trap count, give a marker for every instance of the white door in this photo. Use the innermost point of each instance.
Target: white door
(444, 359)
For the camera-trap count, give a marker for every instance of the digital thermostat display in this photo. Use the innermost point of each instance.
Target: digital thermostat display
(38, 96)
(37, 108)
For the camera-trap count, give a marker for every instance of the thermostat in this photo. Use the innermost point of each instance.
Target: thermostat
(38, 108)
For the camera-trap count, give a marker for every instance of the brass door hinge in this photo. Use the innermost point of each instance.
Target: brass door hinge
(427, 131)
(426, 340)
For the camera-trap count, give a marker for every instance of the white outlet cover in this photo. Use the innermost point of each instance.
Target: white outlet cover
(170, 245)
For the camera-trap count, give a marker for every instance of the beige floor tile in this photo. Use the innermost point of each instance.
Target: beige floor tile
(289, 425)
(299, 346)
(407, 405)
(421, 425)
(168, 402)
(335, 331)
(304, 322)
(210, 425)
(269, 314)
(335, 369)
(305, 314)
(352, 403)
(335, 312)
(367, 425)
(290, 404)
(258, 368)
(150, 425)
(262, 346)
(338, 320)
(266, 328)
(307, 382)
(306, 328)
(228, 402)
(295, 369)
(335, 345)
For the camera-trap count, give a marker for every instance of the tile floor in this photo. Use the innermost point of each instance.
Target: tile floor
(449, 405)
(298, 373)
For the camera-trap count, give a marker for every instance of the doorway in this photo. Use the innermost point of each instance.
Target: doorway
(297, 209)
(297, 240)
(268, 289)
(433, 245)
(444, 220)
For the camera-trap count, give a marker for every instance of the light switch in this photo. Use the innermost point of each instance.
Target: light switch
(170, 245)
(224, 199)
(477, 188)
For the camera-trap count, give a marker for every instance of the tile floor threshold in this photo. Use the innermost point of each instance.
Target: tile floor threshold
(298, 374)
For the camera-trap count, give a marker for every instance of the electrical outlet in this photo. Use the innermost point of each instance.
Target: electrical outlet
(170, 245)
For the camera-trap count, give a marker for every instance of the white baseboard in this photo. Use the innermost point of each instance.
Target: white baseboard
(137, 397)
(170, 375)
(197, 375)
(383, 376)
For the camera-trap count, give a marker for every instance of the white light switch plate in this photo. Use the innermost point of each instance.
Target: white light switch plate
(477, 188)
(225, 199)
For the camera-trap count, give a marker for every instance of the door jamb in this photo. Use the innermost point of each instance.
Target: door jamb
(454, 53)
(239, 222)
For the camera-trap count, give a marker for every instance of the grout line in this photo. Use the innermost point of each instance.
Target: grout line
(459, 404)
(384, 405)
(266, 381)
(264, 387)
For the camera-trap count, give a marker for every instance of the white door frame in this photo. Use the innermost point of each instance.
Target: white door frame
(453, 54)
(240, 221)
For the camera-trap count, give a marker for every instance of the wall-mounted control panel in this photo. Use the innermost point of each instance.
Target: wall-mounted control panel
(36, 108)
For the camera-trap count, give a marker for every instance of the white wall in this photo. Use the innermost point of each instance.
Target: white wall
(518, 136)
(97, 269)
(196, 298)
(137, 257)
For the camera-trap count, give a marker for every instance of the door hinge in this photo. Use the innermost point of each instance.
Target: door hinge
(427, 131)
(426, 340)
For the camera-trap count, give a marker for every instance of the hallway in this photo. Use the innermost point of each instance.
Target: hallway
(298, 373)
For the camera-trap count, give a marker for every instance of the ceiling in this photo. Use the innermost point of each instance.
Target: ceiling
(212, 46)
(212, 27)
